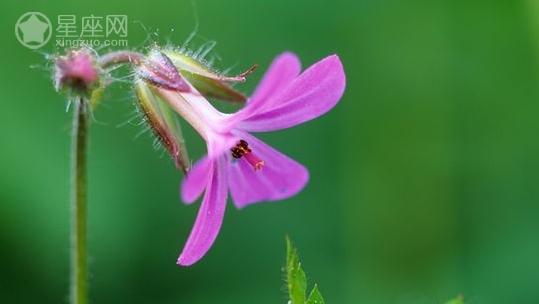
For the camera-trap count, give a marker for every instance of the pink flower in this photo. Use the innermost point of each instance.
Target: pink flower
(239, 162)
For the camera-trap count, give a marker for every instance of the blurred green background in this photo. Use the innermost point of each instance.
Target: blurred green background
(423, 179)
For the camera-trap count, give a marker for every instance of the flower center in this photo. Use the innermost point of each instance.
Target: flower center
(242, 150)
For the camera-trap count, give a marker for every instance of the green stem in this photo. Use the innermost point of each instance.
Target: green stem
(79, 268)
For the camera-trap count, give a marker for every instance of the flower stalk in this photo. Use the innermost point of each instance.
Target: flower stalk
(120, 57)
(79, 73)
(79, 264)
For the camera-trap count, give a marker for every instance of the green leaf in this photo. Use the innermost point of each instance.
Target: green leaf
(315, 297)
(458, 300)
(295, 276)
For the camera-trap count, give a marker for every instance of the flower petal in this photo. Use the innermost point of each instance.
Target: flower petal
(195, 181)
(280, 178)
(310, 95)
(281, 72)
(209, 218)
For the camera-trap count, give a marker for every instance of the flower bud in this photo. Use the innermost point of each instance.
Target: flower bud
(76, 71)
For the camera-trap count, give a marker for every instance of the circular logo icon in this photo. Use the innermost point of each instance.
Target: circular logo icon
(33, 30)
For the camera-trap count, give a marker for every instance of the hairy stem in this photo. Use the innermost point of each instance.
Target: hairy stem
(79, 266)
(120, 57)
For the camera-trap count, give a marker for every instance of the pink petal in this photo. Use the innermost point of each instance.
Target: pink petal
(282, 71)
(310, 95)
(209, 218)
(280, 178)
(195, 181)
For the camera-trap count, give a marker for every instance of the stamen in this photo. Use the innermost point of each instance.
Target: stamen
(242, 149)
(254, 161)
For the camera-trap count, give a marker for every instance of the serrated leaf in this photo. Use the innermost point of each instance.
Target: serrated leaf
(295, 276)
(458, 300)
(315, 297)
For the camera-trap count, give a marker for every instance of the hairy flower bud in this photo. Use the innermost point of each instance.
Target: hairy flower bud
(76, 71)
